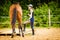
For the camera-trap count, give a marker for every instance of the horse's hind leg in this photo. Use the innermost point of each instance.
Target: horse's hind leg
(20, 30)
(13, 30)
(13, 26)
(13, 21)
(19, 18)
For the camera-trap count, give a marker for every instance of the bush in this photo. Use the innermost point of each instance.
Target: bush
(40, 15)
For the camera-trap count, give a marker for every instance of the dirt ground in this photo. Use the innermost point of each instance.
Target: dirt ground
(40, 34)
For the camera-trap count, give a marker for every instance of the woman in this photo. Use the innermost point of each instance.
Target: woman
(31, 18)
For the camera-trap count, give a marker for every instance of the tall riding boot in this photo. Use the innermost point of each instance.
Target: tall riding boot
(32, 31)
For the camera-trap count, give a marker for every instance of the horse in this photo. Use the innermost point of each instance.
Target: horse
(15, 12)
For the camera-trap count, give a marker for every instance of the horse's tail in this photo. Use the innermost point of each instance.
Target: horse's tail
(14, 16)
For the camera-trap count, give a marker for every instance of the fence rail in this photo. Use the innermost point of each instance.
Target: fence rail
(26, 16)
(51, 22)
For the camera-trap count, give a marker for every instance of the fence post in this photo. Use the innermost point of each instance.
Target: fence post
(49, 17)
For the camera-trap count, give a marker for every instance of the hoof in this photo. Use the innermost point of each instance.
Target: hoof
(19, 34)
(33, 33)
(12, 36)
(23, 35)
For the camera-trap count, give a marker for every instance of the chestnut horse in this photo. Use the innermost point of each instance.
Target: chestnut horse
(15, 12)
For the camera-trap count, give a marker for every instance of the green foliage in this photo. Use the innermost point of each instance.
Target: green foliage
(25, 17)
(4, 10)
(40, 14)
(55, 12)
